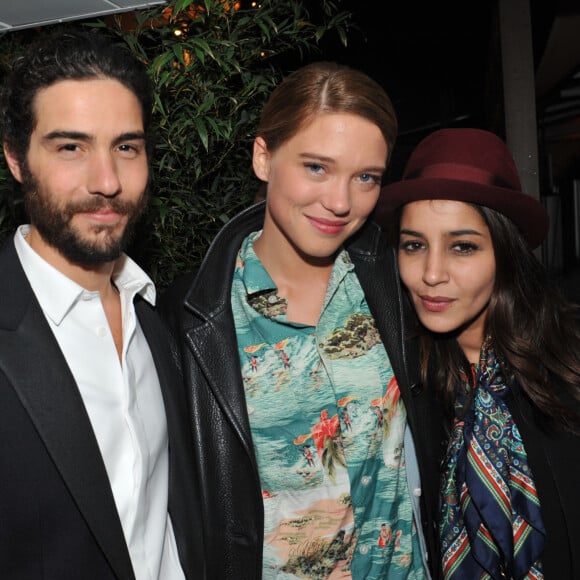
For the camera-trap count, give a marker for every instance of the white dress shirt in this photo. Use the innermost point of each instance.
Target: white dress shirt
(123, 400)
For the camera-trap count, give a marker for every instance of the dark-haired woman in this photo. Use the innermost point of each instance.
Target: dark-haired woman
(501, 348)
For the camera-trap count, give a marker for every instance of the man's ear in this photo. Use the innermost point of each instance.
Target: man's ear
(13, 163)
(261, 159)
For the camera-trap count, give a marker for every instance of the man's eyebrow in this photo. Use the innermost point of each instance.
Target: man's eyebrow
(131, 136)
(75, 135)
(79, 136)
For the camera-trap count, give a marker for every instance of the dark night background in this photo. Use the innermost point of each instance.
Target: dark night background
(439, 61)
(441, 64)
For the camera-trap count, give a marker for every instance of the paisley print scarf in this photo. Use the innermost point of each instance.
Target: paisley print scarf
(491, 524)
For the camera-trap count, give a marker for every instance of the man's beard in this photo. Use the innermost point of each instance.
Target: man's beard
(54, 223)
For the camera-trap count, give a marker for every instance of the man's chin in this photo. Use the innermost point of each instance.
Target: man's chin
(89, 252)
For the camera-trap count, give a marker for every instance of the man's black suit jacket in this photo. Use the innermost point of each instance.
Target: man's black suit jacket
(58, 518)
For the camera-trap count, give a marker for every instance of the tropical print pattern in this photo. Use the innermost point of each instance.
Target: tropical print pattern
(327, 424)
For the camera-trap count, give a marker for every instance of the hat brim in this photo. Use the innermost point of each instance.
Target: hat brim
(526, 212)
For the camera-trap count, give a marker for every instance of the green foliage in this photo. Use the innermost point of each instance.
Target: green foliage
(11, 207)
(11, 210)
(211, 84)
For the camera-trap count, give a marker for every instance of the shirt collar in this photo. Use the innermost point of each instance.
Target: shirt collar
(255, 277)
(57, 294)
(257, 280)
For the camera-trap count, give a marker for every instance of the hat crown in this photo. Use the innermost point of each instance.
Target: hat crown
(468, 155)
(471, 166)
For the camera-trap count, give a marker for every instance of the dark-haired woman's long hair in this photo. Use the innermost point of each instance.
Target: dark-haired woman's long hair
(535, 330)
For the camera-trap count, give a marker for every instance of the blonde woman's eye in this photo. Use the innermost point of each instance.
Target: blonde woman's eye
(371, 178)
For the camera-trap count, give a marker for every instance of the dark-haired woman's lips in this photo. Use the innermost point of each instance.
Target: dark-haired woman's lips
(436, 303)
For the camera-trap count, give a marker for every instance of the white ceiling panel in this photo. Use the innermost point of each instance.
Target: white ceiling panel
(18, 14)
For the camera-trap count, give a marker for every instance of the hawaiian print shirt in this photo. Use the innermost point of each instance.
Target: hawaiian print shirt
(327, 423)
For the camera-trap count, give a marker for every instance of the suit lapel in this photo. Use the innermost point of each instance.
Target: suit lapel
(33, 363)
(169, 378)
(181, 460)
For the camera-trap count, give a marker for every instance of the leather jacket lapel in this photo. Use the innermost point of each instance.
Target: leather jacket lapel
(213, 334)
(216, 338)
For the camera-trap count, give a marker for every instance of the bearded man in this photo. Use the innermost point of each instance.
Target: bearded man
(95, 452)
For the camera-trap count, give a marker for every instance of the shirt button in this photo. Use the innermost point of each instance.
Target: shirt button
(272, 299)
(417, 492)
(363, 549)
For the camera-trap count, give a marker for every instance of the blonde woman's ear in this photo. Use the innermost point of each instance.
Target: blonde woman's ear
(261, 159)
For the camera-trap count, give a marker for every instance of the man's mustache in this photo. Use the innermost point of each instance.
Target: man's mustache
(120, 206)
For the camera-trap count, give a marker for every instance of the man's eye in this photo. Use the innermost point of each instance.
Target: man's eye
(68, 147)
(314, 167)
(129, 150)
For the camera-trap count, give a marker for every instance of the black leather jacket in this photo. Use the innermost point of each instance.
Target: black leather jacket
(199, 314)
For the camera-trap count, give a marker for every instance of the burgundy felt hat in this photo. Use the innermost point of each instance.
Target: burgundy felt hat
(469, 165)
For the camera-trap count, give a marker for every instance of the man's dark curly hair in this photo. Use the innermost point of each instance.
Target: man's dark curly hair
(66, 56)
